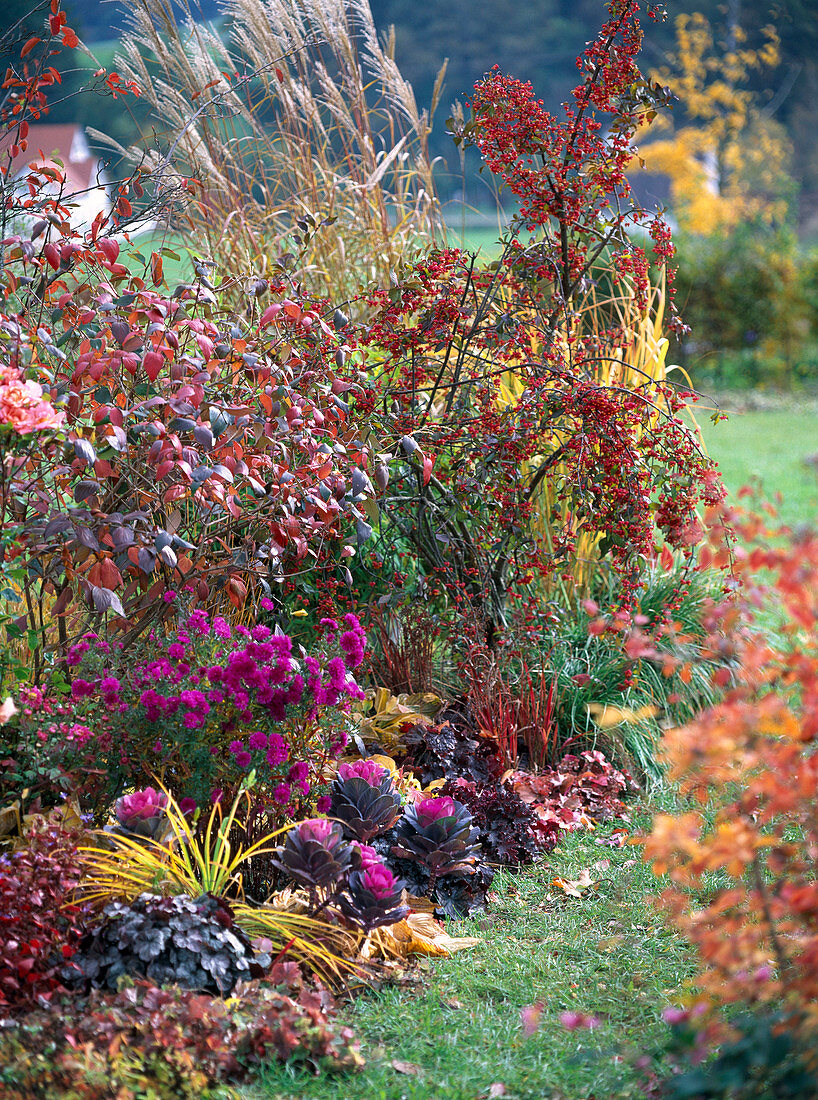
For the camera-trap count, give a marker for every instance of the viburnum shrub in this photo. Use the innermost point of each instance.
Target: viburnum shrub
(751, 766)
(502, 393)
(188, 443)
(200, 708)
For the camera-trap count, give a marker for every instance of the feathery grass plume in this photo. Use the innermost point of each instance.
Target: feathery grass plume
(306, 144)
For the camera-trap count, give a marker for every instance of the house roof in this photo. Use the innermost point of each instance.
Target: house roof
(65, 141)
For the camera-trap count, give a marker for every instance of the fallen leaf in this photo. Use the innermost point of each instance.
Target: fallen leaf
(601, 865)
(451, 1002)
(617, 839)
(606, 716)
(417, 934)
(530, 1017)
(497, 1089)
(575, 887)
(405, 1067)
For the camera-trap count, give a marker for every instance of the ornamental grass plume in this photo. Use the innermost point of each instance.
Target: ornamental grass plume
(324, 135)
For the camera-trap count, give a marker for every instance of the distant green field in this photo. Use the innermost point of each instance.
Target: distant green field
(482, 239)
(174, 271)
(770, 445)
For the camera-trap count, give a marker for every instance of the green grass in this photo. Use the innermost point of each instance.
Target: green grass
(606, 953)
(174, 271)
(770, 445)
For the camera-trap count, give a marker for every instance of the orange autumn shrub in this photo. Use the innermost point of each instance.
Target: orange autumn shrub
(742, 863)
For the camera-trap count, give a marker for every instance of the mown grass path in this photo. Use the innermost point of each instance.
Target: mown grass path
(607, 952)
(773, 444)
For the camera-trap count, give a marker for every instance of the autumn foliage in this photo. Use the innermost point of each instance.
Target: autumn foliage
(749, 769)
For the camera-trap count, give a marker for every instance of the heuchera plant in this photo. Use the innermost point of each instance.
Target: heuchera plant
(190, 942)
(200, 708)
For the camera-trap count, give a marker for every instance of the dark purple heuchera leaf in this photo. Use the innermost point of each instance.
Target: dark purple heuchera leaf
(508, 827)
(438, 833)
(191, 942)
(316, 855)
(364, 800)
(446, 751)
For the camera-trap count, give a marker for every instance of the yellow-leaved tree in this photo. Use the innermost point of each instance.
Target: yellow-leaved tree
(725, 157)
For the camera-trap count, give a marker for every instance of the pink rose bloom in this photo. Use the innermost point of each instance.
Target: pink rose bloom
(141, 805)
(433, 809)
(371, 773)
(22, 406)
(379, 880)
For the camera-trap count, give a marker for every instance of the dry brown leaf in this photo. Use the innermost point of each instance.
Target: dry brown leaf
(405, 1067)
(575, 887)
(416, 934)
(530, 1018)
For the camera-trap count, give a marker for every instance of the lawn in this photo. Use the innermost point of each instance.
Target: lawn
(771, 445)
(459, 1031)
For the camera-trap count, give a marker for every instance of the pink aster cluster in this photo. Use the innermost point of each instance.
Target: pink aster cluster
(353, 642)
(22, 405)
(210, 702)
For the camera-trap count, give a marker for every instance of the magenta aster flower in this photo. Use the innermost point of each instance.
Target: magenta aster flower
(281, 794)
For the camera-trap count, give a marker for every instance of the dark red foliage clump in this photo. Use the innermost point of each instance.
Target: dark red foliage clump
(167, 1042)
(508, 828)
(38, 929)
(578, 790)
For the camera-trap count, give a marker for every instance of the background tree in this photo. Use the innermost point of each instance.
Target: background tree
(727, 159)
